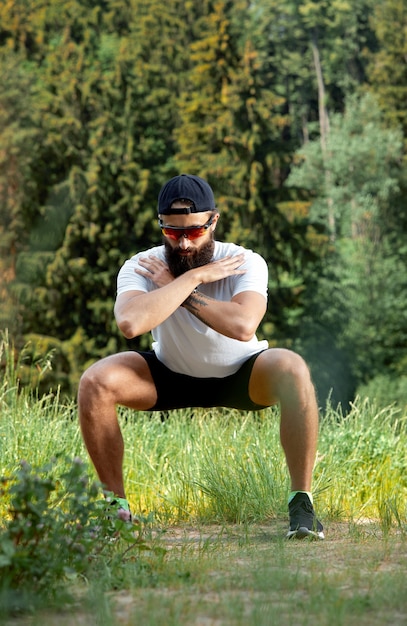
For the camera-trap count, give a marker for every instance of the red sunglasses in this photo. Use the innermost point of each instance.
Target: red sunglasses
(190, 232)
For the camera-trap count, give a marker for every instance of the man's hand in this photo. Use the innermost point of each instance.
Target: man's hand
(156, 270)
(228, 266)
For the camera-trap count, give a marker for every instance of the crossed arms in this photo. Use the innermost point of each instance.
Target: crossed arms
(138, 312)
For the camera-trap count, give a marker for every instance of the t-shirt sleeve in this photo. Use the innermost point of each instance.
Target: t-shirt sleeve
(256, 276)
(128, 280)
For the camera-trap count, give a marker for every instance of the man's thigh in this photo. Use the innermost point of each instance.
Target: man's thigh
(124, 377)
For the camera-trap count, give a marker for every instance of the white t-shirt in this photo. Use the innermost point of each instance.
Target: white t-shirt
(185, 344)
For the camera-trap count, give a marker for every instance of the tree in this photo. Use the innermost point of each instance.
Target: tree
(22, 185)
(387, 71)
(114, 97)
(375, 284)
(106, 109)
(232, 131)
(317, 45)
(364, 160)
(315, 78)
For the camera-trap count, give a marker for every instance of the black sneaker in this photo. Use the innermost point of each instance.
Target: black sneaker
(303, 521)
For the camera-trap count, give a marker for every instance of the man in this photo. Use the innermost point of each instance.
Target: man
(203, 301)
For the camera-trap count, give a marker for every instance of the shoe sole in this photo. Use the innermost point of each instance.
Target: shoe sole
(304, 533)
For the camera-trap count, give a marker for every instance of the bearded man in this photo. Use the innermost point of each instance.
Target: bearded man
(202, 300)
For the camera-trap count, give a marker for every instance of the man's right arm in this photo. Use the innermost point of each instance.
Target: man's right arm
(138, 312)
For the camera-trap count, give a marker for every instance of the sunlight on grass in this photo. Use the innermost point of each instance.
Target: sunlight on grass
(222, 465)
(362, 457)
(213, 551)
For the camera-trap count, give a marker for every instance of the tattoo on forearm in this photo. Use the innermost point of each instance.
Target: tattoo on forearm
(192, 304)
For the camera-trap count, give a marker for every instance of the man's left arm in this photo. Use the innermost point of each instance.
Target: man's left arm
(238, 318)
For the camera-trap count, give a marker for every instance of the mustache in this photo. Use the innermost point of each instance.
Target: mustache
(179, 264)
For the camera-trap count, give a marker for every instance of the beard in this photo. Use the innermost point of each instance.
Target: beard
(178, 264)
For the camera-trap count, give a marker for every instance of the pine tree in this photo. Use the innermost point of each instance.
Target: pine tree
(22, 177)
(233, 131)
(387, 72)
(107, 79)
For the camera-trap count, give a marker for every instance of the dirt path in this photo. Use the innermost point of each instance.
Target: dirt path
(235, 576)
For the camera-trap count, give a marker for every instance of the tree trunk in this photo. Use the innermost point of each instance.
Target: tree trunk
(324, 133)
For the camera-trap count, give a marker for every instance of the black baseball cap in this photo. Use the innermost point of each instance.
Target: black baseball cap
(186, 187)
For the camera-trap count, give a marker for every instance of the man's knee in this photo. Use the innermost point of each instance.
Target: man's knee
(96, 380)
(279, 374)
(293, 382)
(292, 366)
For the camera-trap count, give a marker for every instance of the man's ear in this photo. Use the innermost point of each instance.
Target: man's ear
(215, 220)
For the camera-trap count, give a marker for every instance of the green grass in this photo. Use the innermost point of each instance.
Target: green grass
(245, 575)
(217, 484)
(224, 466)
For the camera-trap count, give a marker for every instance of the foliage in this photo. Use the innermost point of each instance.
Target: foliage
(200, 467)
(386, 390)
(387, 70)
(341, 34)
(358, 302)
(56, 527)
(362, 157)
(102, 101)
(374, 284)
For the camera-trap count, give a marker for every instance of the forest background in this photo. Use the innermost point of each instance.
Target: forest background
(294, 111)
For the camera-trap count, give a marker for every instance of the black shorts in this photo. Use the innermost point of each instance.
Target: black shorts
(177, 391)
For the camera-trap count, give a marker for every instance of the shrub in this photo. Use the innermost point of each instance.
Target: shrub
(56, 527)
(386, 390)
